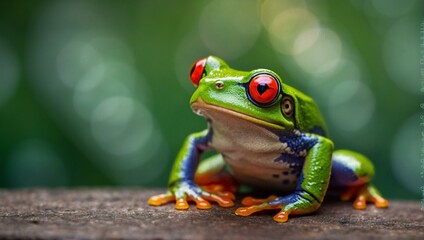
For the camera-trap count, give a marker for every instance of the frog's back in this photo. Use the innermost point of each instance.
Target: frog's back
(308, 118)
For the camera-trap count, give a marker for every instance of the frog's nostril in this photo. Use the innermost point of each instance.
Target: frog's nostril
(219, 85)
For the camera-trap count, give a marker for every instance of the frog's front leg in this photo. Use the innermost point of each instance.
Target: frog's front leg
(182, 186)
(311, 188)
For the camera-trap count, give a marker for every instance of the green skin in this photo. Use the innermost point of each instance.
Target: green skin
(249, 138)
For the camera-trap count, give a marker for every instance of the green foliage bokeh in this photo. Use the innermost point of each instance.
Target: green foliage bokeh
(95, 93)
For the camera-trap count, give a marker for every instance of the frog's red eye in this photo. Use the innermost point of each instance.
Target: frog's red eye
(197, 70)
(263, 89)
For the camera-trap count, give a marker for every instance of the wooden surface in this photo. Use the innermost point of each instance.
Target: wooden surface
(124, 214)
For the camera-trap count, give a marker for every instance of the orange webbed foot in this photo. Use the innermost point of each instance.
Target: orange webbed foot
(281, 216)
(220, 190)
(186, 191)
(249, 201)
(247, 211)
(363, 194)
(221, 193)
(182, 203)
(221, 198)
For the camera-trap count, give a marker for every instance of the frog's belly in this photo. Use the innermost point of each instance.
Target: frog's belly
(282, 178)
(251, 152)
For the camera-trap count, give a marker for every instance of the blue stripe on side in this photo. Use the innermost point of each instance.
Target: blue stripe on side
(298, 142)
(341, 174)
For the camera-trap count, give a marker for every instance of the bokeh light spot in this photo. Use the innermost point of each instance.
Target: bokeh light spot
(346, 69)
(229, 28)
(111, 116)
(324, 54)
(286, 28)
(118, 79)
(121, 126)
(306, 39)
(271, 8)
(351, 105)
(75, 60)
(401, 53)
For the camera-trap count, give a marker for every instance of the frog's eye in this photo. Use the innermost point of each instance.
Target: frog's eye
(197, 71)
(263, 90)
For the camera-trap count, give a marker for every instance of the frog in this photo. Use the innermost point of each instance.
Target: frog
(268, 136)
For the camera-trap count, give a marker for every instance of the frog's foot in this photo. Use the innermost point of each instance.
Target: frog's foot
(158, 200)
(223, 186)
(220, 190)
(222, 183)
(250, 201)
(279, 217)
(183, 192)
(181, 204)
(364, 193)
(291, 204)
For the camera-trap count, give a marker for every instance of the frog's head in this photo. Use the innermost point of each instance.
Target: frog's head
(258, 96)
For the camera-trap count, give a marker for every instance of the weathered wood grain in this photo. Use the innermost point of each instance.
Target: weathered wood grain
(124, 214)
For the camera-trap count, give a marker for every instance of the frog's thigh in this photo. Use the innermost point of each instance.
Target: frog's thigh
(350, 169)
(210, 169)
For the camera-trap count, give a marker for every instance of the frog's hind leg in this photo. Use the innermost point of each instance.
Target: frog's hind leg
(213, 177)
(353, 172)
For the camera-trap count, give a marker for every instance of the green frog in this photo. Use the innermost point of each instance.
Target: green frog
(268, 136)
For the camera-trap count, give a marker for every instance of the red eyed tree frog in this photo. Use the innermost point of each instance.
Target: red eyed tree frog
(268, 136)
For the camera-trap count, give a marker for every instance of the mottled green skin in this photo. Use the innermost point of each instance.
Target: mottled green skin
(317, 162)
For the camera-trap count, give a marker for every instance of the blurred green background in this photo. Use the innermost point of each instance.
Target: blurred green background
(95, 93)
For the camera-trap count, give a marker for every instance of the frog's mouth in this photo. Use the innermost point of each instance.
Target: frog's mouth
(202, 108)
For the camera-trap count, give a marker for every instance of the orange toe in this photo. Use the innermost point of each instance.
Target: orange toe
(181, 204)
(281, 217)
(161, 199)
(360, 204)
(381, 203)
(202, 204)
(365, 193)
(227, 194)
(244, 211)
